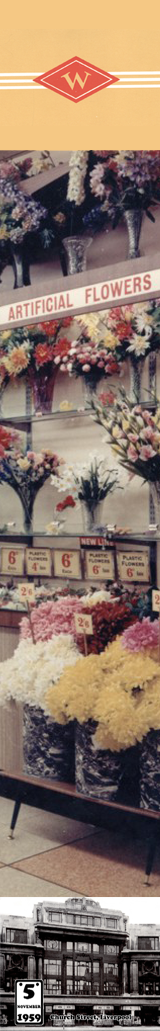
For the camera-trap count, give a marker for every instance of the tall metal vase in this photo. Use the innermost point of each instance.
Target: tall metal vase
(133, 218)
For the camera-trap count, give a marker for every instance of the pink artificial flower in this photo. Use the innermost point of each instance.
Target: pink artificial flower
(132, 453)
(146, 452)
(141, 635)
(148, 433)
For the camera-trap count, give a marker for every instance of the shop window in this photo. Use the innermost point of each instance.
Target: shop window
(69, 986)
(52, 966)
(15, 934)
(82, 947)
(95, 947)
(110, 968)
(69, 946)
(69, 967)
(96, 967)
(112, 950)
(52, 985)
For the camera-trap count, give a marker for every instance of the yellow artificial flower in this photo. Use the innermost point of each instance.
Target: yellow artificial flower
(110, 341)
(23, 463)
(116, 432)
(5, 335)
(66, 406)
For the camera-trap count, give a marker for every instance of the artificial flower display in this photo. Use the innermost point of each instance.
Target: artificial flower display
(34, 352)
(9, 439)
(109, 615)
(134, 433)
(27, 473)
(26, 676)
(52, 617)
(20, 215)
(116, 690)
(125, 180)
(142, 636)
(90, 483)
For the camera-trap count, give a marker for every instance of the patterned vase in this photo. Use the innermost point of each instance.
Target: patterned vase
(133, 218)
(136, 369)
(48, 748)
(150, 771)
(98, 772)
(155, 497)
(42, 385)
(76, 248)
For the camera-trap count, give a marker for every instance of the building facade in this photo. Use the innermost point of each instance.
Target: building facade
(97, 970)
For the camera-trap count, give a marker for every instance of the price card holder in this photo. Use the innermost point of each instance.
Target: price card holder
(133, 566)
(67, 564)
(27, 592)
(12, 561)
(83, 625)
(38, 561)
(99, 565)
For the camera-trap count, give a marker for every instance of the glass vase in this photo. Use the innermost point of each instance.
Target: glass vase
(20, 265)
(92, 517)
(98, 773)
(42, 385)
(133, 218)
(150, 771)
(136, 369)
(76, 248)
(48, 748)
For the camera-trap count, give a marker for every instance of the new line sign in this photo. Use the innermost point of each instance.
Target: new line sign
(93, 296)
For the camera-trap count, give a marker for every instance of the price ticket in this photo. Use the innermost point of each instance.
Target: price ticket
(99, 565)
(38, 561)
(83, 624)
(26, 592)
(134, 566)
(67, 564)
(12, 561)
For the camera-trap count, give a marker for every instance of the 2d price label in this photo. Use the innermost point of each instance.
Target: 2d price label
(83, 624)
(156, 601)
(12, 561)
(26, 592)
(133, 566)
(38, 562)
(29, 1003)
(67, 564)
(99, 566)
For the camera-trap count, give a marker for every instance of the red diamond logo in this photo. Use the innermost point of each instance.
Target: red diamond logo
(76, 79)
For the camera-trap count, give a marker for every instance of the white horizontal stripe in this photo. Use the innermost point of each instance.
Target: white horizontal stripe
(24, 74)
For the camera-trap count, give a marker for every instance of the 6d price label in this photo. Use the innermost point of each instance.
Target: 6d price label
(12, 561)
(99, 565)
(67, 564)
(29, 1003)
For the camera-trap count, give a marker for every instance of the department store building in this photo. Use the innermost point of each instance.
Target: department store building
(97, 969)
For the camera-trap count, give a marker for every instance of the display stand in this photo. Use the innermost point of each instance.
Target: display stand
(64, 800)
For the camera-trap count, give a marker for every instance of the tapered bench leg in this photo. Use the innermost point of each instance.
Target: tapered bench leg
(16, 809)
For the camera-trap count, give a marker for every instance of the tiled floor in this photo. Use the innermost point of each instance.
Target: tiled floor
(52, 856)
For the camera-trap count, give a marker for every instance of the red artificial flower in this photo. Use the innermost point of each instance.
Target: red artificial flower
(43, 353)
(67, 503)
(62, 347)
(49, 328)
(108, 621)
(107, 397)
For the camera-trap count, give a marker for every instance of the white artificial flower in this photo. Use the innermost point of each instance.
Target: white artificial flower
(77, 173)
(34, 667)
